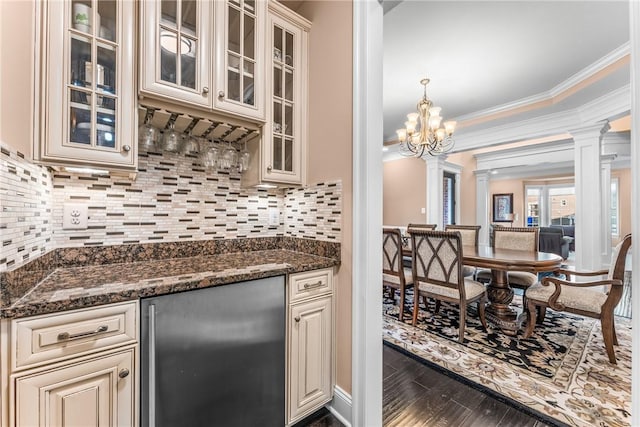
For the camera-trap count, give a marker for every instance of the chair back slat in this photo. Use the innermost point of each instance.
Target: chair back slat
(516, 238)
(468, 233)
(437, 258)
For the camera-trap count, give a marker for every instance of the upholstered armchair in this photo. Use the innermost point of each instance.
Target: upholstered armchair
(596, 299)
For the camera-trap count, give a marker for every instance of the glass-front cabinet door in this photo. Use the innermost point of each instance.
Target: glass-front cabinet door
(240, 52)
(87, 109)
(285, 130)
(176, 42)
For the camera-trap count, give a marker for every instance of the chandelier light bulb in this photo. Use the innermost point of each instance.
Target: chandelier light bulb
(434, 122)
(402, 135)
(410, 126)
(440, 134)
(435, 111)
(450, 127)
(413, 117)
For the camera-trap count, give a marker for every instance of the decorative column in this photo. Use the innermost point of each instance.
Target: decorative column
(587, 142)
(605, 180)
(482, 206)
(435, 184)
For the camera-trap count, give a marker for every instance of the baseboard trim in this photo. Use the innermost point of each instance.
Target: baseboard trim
(340, 406)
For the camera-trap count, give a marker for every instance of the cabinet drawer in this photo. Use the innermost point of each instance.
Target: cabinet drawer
(310, 283)
(53, 337)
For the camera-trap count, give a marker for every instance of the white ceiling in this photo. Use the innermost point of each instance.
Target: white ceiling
(482, 54)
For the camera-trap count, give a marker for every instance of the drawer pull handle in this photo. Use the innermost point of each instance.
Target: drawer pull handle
(64, 336)
(313, 285)
(297, 319)
(124, 373)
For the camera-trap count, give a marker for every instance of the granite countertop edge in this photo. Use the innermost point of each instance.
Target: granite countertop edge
(31, 305)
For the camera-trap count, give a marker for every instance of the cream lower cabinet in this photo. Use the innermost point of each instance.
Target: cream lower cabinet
(74, 368)
(310, 363)
(93, 392)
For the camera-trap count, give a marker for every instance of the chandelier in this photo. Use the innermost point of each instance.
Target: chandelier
(422, 134)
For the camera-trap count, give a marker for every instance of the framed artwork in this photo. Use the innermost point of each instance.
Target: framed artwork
(503, 207)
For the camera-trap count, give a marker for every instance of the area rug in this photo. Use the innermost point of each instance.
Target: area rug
(560, 375)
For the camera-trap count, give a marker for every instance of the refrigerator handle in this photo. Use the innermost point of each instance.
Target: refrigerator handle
(152, 365)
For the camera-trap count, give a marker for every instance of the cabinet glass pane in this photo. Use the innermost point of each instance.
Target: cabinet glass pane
(234, 30)
(189, 8)
(82, 16)
(287, 127)
(106, 71)
(277, 44)
(233, 78)
(80, 117)
(108, 11)
(247, 82)
(169, 13)
(277, 153)
(288, 155)
(288, 57)
(249, 36)
(106, 102)
(81, 69)
(277, 117)
(288, 85)
(188, 62)
(105, 130)
(250, 6)
(277, 82)
(168, 55)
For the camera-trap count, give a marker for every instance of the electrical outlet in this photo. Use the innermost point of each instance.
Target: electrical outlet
(75, 216)
(274, 217)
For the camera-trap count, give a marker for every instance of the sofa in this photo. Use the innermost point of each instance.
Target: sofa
(552, 239)
(569, 231)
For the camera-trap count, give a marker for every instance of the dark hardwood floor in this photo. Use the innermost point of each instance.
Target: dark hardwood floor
(417, 395)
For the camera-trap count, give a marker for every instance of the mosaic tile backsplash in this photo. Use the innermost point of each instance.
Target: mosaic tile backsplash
(26, 202)
(171, 199)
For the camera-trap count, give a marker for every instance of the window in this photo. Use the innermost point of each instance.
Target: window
(562, 203)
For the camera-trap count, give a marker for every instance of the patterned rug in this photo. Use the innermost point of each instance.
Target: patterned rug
(560, 375)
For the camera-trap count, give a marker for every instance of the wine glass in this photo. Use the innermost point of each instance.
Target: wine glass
(229, 157)
(148, 134)
(243, 158)
(209, 156)
(190, 144)
(172, 139)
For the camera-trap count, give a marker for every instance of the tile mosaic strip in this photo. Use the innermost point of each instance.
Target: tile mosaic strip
(25, 209)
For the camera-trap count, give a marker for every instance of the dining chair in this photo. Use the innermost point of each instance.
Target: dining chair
(407, 240)
(394, 274)
(596, 299)
(514, 238)
(437, 273)
(469, 235)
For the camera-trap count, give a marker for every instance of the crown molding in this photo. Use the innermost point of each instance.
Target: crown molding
(548, 96)
(612, 104)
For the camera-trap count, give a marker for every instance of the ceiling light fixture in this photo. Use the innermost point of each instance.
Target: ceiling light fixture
(422, 134)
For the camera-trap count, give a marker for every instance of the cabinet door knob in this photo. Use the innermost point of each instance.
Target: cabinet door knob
(269, 168)
(221, 94)
(126, 148)
(205, 90)
(123, 373)
(297, 319)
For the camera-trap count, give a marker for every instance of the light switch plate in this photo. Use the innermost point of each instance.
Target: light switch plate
(274, 216)
(75, 216)
(423, 210)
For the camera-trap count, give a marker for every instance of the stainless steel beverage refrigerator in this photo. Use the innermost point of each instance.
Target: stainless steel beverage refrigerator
(214, 356)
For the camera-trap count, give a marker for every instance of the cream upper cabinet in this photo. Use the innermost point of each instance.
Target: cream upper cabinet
(209, 55)
(85, 85)
(239, 56)
(176, 50)
(281, 156)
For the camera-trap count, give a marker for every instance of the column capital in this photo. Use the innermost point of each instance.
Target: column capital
(606, 159)
(435, 160)
(484, 173)
(590, 131)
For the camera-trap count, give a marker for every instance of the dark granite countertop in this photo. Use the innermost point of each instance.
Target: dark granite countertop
(71, 287)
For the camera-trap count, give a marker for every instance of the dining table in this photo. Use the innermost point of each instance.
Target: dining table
(500, 312)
